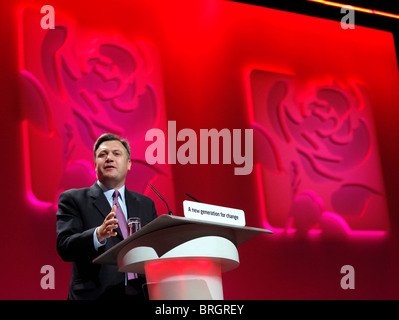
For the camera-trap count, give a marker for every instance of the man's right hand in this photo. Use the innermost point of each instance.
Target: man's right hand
(106, 230)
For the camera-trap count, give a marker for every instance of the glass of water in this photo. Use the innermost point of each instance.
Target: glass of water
(134, 225)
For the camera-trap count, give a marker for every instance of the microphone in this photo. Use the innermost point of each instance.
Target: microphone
(193, 198)
(169, 212)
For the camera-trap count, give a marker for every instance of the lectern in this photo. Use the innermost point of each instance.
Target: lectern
(182, 258)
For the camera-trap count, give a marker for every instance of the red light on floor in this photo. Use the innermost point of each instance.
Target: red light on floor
(158, 271)
(182, 279)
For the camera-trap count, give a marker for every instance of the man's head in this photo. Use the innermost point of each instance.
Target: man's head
(112, 160)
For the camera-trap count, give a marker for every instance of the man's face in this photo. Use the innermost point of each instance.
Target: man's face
(112, 164)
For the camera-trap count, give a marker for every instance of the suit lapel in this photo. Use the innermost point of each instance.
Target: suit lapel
(99, 200)
(132, 204)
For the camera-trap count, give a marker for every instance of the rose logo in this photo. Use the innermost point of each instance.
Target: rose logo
(315, 146)
(76, 85)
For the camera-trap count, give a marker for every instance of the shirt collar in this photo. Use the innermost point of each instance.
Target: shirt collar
(108, 192)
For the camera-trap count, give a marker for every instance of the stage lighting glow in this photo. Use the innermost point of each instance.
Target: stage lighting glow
(356, 8)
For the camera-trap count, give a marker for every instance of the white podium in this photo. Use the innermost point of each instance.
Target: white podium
(183, 259)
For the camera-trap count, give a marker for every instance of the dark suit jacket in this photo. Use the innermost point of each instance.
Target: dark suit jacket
(80, 211)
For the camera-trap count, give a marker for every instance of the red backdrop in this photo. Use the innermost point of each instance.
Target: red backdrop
(208, 64)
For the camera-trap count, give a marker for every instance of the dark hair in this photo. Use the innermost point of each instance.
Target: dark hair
(111, 137)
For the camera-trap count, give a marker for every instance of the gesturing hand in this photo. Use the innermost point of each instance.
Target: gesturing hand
(106, 230)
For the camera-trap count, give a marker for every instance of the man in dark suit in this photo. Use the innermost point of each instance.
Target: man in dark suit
(87, 225)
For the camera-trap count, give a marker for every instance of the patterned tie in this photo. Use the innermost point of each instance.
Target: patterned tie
(122, 225)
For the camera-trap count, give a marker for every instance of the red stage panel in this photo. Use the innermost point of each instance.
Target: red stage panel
(322, 101)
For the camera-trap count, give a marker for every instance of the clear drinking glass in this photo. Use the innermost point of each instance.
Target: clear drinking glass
(134, 225)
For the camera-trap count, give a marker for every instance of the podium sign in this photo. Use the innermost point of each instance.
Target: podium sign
(208, 212)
